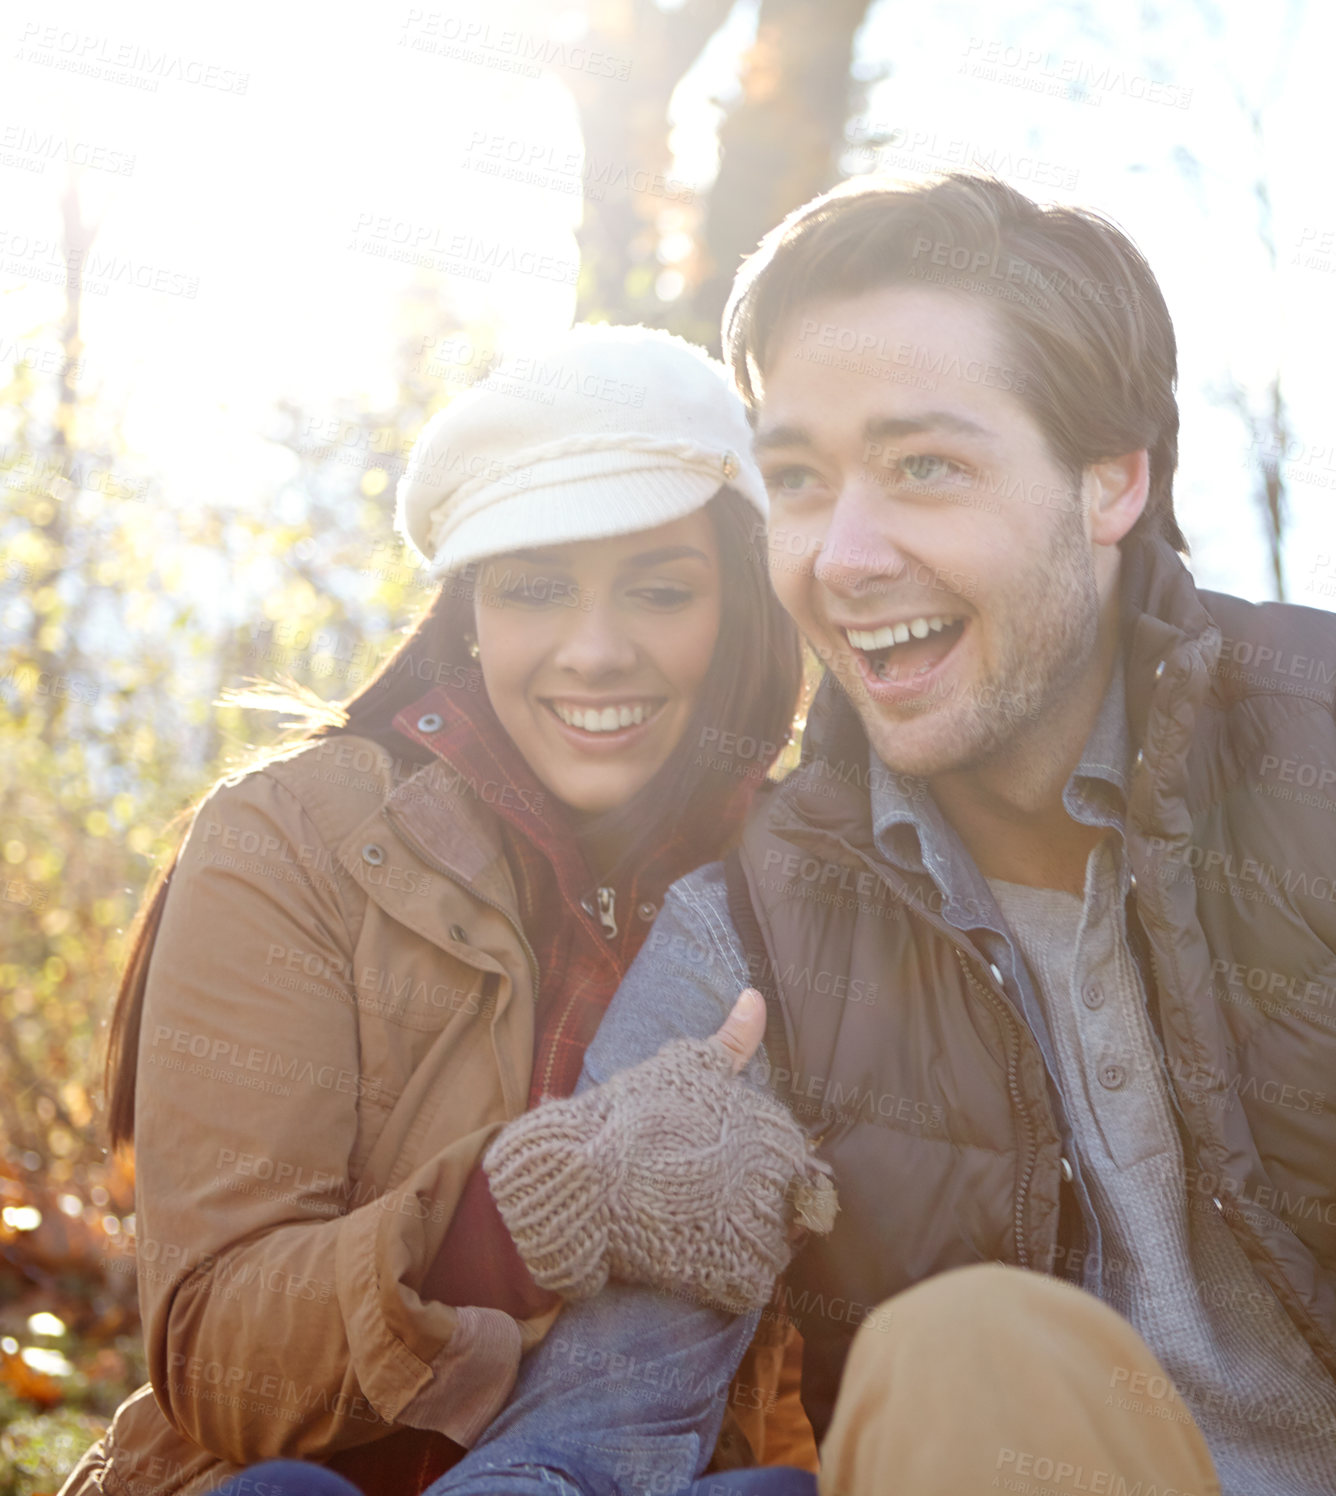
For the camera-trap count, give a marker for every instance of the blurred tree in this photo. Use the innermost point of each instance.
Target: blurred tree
(1265, 414)
(1262, 410)
(778, 144)
(624, 123)
(125, 618)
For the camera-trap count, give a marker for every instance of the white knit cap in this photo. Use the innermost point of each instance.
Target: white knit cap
(600, 431)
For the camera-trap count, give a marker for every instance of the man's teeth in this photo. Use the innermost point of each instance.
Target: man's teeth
(900, 633)
(603, 719)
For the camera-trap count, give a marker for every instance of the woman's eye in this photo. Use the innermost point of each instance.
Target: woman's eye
(533, 592)
(664, 596)
(521, 597)
(927, 467)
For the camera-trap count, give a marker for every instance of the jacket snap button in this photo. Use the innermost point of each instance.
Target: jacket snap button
(1141, 756)
(646, 910)
(1159, 670)
(1065, 1165)
(1132, 881)
(996, 971)
(430, 722)
(1111, 1077)
(457, 932)
(373, 854)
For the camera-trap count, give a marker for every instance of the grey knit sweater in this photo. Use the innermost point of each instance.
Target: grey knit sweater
(1172, 1266)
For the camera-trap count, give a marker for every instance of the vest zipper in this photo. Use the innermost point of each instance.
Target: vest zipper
(1008, 1016)
(1001, 1006)
(472, 892)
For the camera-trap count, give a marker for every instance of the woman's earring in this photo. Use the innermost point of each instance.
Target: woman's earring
(471, 645)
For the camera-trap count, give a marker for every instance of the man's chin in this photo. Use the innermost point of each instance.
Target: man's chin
(918, 744)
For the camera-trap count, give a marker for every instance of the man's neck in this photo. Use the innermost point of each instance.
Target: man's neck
(1010, 813)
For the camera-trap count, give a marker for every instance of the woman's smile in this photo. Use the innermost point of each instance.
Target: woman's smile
(594, 652)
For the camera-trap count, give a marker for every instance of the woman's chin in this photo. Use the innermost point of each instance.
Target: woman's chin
(598, 793)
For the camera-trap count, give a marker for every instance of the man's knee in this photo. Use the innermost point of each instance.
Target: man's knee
(974, 1303)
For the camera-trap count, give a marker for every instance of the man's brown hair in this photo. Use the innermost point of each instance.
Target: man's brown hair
(1082, 317)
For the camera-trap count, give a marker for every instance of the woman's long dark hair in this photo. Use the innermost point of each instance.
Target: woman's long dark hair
(749, 692)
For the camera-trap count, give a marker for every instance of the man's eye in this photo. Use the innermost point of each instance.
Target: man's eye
(790, 480)
(927, 467)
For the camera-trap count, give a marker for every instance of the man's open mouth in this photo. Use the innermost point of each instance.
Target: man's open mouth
(913, 646)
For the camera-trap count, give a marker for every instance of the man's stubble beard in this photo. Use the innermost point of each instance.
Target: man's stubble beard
(1047, 644)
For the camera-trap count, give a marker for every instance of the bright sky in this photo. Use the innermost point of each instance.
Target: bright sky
(261, 189)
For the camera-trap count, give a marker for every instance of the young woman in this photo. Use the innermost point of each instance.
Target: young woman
(379, 945)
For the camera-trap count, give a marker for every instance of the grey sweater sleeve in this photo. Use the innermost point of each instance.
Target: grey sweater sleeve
(628, 1390)
(682, 984)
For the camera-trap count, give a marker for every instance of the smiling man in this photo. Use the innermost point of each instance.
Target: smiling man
(1047, 947)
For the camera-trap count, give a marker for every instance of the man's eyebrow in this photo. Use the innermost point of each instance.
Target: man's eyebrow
(880, 428)
(781, 436)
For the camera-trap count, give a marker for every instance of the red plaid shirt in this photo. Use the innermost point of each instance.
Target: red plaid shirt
(580, 962)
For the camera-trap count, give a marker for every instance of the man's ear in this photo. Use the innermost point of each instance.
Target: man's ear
(1115, 493)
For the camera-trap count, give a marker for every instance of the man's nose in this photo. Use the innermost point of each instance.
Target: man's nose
(858, 548)
(593, 642)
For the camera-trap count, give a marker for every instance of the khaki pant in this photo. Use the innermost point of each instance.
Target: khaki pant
(990, 1379)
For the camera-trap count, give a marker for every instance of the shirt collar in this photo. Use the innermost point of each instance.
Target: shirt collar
(911, 831)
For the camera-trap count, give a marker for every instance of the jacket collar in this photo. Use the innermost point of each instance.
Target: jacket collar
(1164, 623)
(477, 776)
(476, 768)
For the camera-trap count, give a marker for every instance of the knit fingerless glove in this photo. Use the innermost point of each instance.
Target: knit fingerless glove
(674, 1174)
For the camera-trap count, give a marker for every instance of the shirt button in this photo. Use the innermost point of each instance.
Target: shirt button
(373, 854)
(431, 722)
(1092, 995)
(996, 971)
(646, 911)
(1111, 1077)
(458, 932)
(1066, 1167)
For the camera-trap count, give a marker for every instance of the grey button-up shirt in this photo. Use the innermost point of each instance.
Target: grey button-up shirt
(911, 832)
(1171, 1265)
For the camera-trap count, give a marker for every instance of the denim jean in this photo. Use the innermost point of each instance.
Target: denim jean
(624, 1397)
(287, 1478)
(297, 1478)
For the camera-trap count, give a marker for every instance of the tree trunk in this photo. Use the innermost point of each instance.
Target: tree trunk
(779, 146)
(624, 122)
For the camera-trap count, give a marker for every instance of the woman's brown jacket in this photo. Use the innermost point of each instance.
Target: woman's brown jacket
(338, 1018)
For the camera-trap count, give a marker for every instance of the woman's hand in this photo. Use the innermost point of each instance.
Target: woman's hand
(674, 1173)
